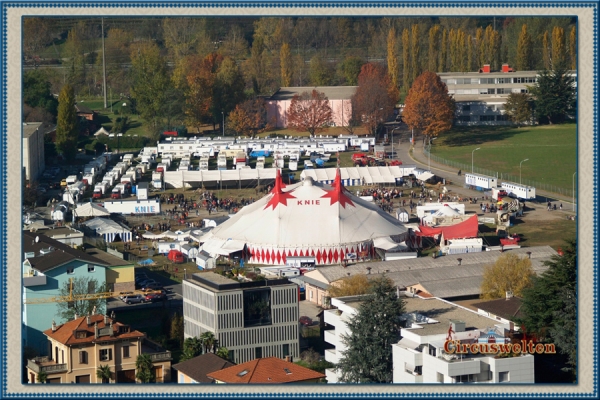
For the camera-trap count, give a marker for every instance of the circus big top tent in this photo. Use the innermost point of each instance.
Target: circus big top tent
(307, 219)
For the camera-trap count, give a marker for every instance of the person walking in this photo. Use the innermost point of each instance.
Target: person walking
(561, 206)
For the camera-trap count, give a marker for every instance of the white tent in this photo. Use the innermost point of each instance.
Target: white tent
(101, 131)
(90, 210)
(356, 176)
(305, 219)
(109, 229)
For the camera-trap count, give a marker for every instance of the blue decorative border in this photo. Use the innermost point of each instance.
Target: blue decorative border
(292, 4)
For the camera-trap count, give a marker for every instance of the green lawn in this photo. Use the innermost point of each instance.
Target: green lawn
(551, 151)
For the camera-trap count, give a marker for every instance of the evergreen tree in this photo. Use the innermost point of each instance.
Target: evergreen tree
(392, 57)
(349, 69)
(559, 57)
(376, 326)
(285, 60)
(546, 50)
(554, 96)
(144, 368)
(434, 45)
(573, 49)
(320, 72)
(549, 307)
(524, 48)
(66, 124)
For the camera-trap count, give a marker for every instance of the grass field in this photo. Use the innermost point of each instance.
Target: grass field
(551, 150)
(535, 233)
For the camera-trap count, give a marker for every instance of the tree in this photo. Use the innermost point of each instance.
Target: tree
(405, 60)
(573, 49)
(480, 45)
(81, 286)
(249, 117)
(104, 373)
(42, 377)
(375, 98)
(559, 56)
(176, 332)
(373, 330)
(36, 34)
(518, 108)
(320, 72)
(310, 112)
(554, 96)
(443, 52)
(149, 82)
(434, 45)
(349, 69)
(223, 353)
(229, 88)
(285, 60)
(350, 286)
(37, 93)
(549, 306)
(180, 36)
(524, 47)
(209, 341)
(546, 51)
(192, 347)
(66, 124)
(392, 57)
(428, 107)
(145, 368)
(415, 53)
(509, 273)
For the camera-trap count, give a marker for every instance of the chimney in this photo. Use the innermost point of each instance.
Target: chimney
(459, 261)
(89, 320)
(96, 330)
(486, 69)
(105, 320)
(75, 316)
(289, 359)
(53, 326)
(509, 295)
(529, 255)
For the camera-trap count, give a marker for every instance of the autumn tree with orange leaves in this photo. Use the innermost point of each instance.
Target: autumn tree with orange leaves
(428, 107)
(310, 111)
(249, 117)
(374, 100)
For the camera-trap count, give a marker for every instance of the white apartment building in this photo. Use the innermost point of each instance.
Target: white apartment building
(419, 356)
(251, 319)
(33, 149)
(480, 96)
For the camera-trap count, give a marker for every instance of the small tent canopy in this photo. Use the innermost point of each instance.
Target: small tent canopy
(109, 229)
(402, 215)
(101, 131)
(147, 261)
(463, 230)
(91, 210)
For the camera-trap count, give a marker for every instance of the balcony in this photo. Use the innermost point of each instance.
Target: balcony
(331, 356)
(155, 351)
(44, 364)
(330, 337)
(33, 279)
(332, 317)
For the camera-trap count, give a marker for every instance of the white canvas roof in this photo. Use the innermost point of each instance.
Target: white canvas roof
(385, 243)
(105, 225)
(91, 210)
(370, 175)
(305, 219)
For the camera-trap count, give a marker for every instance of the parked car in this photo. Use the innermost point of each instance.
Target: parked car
(133, 299)
(152, 297)
(145, 282)
(123, 294)
(306, 321)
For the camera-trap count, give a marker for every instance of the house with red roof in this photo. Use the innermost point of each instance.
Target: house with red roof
(265, 371)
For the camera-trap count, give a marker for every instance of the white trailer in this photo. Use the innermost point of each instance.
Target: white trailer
(128, 207)
(71, 179)
(162, 167)
(90, 179)
(293, 165)
(101, 187)
(221, 162)
(157, 176)
(481, 181)
(142, 191)
(332, 147)
(519, 191)
(128, 178)
(203, 164)
(157, 184)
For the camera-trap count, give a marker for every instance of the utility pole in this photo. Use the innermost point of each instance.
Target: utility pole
(104, 67)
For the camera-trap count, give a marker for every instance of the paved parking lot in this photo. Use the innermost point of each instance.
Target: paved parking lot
(310, 310)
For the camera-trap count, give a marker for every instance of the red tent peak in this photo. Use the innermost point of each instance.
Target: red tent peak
(338, 193)
(279, 196)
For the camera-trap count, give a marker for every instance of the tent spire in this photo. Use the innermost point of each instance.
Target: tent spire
(338, 193)
(279, 196)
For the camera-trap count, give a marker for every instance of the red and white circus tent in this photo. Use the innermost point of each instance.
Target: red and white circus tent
(306, 219)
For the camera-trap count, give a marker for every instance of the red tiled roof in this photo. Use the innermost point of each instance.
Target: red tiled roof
(65, 333)
(265, 370)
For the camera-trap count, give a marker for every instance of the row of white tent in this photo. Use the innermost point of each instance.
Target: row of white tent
(176, 179)
(356, 176)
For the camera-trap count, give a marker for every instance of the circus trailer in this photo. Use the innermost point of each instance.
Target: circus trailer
(481, 182)
(165, 247)
(142, 191)
(205, 261)
(519, 191)
(135, 207)
(293, 165)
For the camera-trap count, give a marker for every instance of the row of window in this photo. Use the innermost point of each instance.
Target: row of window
(502, 377)
(249, 337)
(277, 350)
(488, 91)
(90, 268)
(200, 315)
(481, 118)
(489, 81)
(285, 296)
(103, 355)
(230, 302)
(194, 294)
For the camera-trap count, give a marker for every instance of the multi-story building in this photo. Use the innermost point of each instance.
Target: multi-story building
(480, 96)
(48, 266)
(420, 357)
(79, 347)
(251, 319)
(33, 149)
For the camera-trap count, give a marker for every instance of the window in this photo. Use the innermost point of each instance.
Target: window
(465, 378)
(105, 354)
(464, 118)
(502, 117)
(91, 268)
(466, 108)
(502, 91)
(286, 349)
(83, 357)
(230, 355)
(491, 91)
(524, 90)
(432, 351)
(504, 80)
(258, 352)
(487, 118)
(70, 270)
(503, 376)
(125, 351)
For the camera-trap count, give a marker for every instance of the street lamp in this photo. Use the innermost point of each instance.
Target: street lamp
(429, 162)
(574, 190)
(223, 123)
(527, 159)
(472, 154)
(185, 273)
